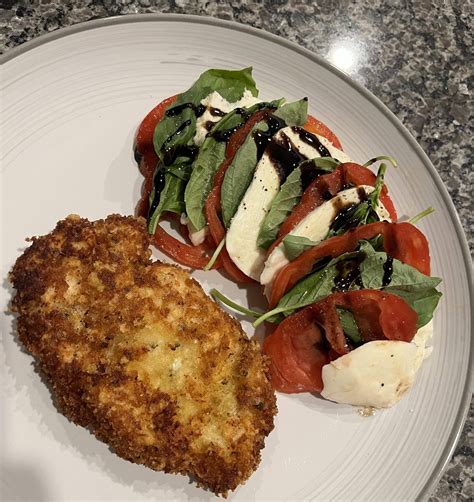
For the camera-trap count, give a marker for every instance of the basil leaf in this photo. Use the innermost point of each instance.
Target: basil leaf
(422, 301)
(349, 325)
(309, 290)
(294, 114)
(210, 157)
(372, 272)
(295, 245)
(417, 289)
(171, 198)
(317, 285)
(239, 175)
(177, 130)
(288, 197)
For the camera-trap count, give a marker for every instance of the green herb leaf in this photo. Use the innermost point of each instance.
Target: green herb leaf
(230, 84)
(423, 301)
(210, 157)
(417, 289)
(231, 304)
(381, 157)
(239, 175)
(294, 114)
(349, 325)
(171, 197)
(312, 288)
(415, 219)
(288, 197)
(215, 255)
(295, 245)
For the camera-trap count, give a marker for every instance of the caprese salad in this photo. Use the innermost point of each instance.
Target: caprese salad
(264, 191)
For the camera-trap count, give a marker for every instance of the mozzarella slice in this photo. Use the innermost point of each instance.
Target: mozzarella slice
(241, 240)
(197, 237)
(316, 225)
(377, 373)
(216, 107)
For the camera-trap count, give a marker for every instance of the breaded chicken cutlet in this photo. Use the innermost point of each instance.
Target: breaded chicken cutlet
(135, 351)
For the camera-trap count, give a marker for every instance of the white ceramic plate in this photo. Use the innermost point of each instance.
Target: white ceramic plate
(71, 103)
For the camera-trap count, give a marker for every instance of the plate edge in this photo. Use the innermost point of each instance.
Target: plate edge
(156, 17)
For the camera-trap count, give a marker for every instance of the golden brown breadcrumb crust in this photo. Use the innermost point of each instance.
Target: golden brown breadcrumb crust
(137, 352)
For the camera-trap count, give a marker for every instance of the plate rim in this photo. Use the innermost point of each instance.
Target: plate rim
(461, 416)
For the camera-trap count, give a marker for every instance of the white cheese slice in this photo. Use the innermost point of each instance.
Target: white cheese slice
(315, 226)
(241, 240)
(216, 101)
(377, 373)
(197, 237)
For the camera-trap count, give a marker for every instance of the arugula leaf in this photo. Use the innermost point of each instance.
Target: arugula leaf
(349, 325)
(210, 157)
(288, 197)
(295, 245)
(179, 128)
(294, 114)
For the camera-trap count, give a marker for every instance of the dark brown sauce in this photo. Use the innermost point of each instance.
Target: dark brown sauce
(263, 138)
(209, 125)
(311, 140)
(172, 153)
(348, 273)
(158, 185)
(176, 110)
(284, 156)
(345, 217)
(387, 271)
(309, 172)
(215, 112)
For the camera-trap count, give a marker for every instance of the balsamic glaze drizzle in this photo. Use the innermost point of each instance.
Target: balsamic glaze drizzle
(387, 271)
(348, 274)
(176, 110)
(312, 140)
(284, 156)
(158, 185)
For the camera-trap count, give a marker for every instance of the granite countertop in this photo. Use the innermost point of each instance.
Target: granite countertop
(413, 55)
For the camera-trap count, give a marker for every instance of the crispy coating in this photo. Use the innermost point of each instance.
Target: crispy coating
(136, 352)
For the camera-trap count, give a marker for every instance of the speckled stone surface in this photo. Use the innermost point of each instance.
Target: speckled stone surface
(412, 55)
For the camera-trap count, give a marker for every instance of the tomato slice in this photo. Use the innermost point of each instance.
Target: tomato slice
(298, 352)
(317, 127)
(304, 342)
(402, 241)
(191, 256)
(378, 315)
(145, 152)
(327, 186)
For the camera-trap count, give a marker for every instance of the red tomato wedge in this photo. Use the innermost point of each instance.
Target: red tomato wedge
(190, 256)
(327, 186)
(315, 126)
(146, 151)
(297, 352)
(306, 341)
(402, 241)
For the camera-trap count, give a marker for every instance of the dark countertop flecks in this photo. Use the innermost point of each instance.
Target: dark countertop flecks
(413, 55)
